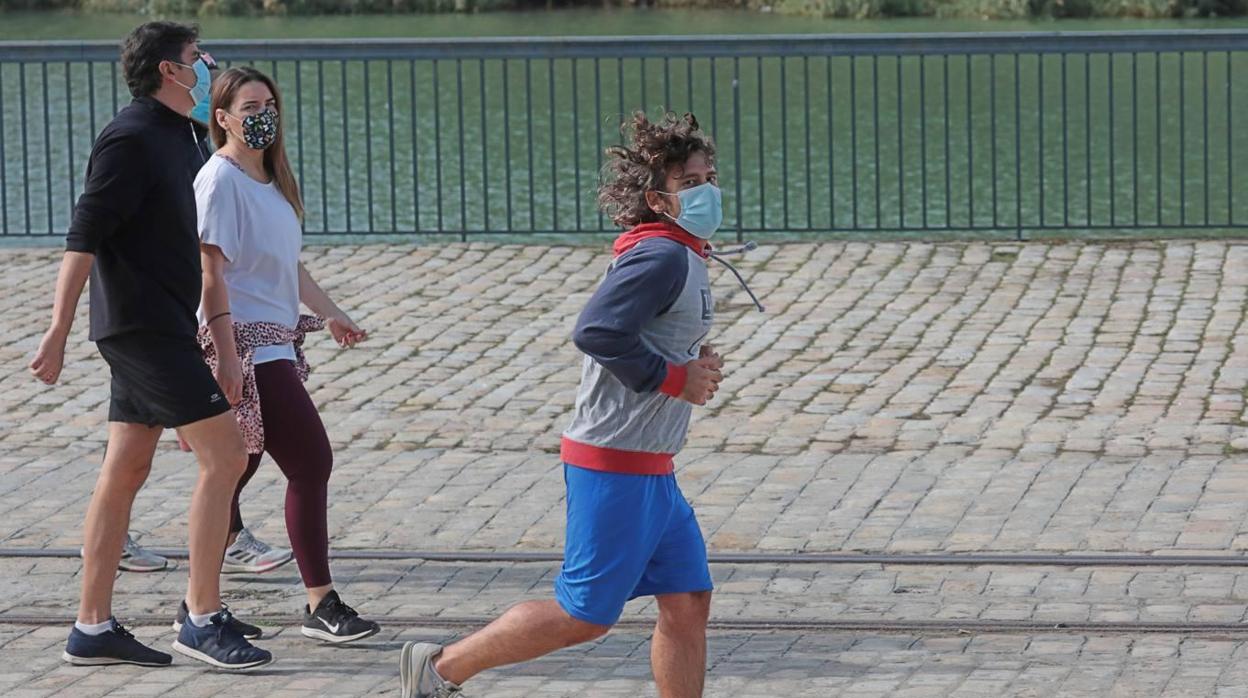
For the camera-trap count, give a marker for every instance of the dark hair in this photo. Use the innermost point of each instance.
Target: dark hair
(224, 89)
(641, 166)
(148, 45)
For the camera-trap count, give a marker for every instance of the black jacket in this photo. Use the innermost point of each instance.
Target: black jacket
(137, 216)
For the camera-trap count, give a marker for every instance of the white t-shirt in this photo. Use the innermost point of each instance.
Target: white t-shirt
(258, 232)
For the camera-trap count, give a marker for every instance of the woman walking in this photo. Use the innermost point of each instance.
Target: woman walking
(250, 212)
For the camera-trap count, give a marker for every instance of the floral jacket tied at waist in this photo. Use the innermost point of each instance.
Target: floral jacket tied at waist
(249, 336)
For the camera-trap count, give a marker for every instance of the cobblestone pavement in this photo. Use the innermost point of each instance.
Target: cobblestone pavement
(895, 397)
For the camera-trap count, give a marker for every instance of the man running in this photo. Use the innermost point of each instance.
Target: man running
(630, 532)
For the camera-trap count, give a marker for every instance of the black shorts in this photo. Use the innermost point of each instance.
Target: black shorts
(160, 381)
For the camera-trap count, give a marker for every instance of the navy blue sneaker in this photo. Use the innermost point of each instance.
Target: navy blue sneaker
(220, 644)
(247, 630)
(116, 646)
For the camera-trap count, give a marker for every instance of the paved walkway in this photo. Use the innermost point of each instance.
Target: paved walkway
(894, 398)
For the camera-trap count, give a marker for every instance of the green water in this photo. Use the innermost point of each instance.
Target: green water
(31, 26)
(804, 143)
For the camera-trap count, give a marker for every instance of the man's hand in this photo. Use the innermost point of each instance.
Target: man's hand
(702, 379)
(708, 351)
(50, 358)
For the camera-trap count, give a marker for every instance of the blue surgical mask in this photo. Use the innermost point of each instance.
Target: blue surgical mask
(201, 90)
(701, 210)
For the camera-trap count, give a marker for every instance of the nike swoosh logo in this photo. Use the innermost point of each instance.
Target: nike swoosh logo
(332, 628)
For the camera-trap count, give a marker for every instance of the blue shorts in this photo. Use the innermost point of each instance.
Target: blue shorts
(627, 536)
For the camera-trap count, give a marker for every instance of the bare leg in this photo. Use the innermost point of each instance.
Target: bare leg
(526, 631)
(678, 650)
(127, 461)
(222, 459)
(317, 594)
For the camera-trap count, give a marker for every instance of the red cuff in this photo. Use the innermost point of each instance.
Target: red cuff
(674, 384)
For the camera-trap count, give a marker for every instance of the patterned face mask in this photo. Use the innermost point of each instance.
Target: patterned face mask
(259, 129)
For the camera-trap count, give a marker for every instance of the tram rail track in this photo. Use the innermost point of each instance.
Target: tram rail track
(776, 624)
(914, 559)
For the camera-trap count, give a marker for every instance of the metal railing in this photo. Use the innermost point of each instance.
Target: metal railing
(983, 134)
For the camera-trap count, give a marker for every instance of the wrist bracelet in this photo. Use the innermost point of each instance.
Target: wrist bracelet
(216, 317)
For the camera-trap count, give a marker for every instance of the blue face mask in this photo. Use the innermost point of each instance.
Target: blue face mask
(701, 210)
(200, 90)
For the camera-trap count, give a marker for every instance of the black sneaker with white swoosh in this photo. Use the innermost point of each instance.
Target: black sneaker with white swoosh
(334, 621)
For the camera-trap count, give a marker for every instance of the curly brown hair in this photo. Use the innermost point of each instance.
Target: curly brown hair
(634, 169)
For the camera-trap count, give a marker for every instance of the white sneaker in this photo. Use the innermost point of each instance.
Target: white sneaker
(136, 558)
(251, 556)
(417, 678)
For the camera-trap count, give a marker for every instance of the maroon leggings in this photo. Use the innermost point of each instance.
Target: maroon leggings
(295, 437)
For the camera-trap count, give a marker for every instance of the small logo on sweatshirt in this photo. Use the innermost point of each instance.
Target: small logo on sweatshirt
(707, 305)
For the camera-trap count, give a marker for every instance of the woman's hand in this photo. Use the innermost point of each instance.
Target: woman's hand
(346, 332)
(229, 376)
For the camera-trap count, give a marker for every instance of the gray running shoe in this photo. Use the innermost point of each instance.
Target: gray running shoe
(417, 679)
(136, 558)
(248, 555)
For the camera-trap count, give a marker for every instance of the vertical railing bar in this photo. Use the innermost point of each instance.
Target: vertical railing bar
(1113, 180)
(689, 81)
(875, 110)
(1087, 130)
(346, 150)
(507, 140)
(923, 137)
(112, 71)
(576, 144)
(1018, 147)
(368, 139)
(437, 144)
(853, 135)
(970, 147)
(485, 158)
(784, 139)
(69, 138)
(459, 127)
(21, 73)
(1065, 146)
(415, 150)
(667, 86)
(320, 86)
(1157, 121)
(762, 162)
(394, 185)
(806, 104)
(948, 154)
(1230, 148)
(1182, 138)
(1204, 116)
(1040, 127)
(528, 109)
(645, 106)
(90, 100)
(901, 149)
(1135, 139)
(831, 147)
(992, 111)
(554, 159)
(299, 126)
(714, 98)
(598, 126)
(4, 176)
(736, 142)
